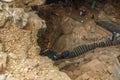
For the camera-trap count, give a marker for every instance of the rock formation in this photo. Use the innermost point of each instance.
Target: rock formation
(19, 51)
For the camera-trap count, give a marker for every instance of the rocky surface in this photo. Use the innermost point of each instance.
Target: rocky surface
(23, 3)
(77, 33)
(19, 51)
(20, 28)
(3, 58)
(77, 30)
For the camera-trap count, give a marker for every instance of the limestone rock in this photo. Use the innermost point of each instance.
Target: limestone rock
(3, 19)
(110, 13)
(16, 35)
(12, 56)
(19, 35)
(35, 2)
(92, 70)
(16, 15)
(116, 70)
(2, 76)
(1, 47)
(22, 3)
(38, 68)
(11, 78)
(35, 25)
(59, 76)
(68, 25)
(3, 63)
(103, 16)
(110, 10)
(7, 0)
(76, 34)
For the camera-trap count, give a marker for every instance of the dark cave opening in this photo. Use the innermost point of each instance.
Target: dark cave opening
(53, 18)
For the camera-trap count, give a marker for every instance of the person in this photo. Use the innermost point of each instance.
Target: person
(83, 12)
(115, 36)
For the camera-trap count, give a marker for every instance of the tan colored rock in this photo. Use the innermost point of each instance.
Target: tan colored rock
(94, 70)
(35, 23)
(2, 76)
(3, 19)
(77, 34)
(1, 47)
(57, 76)
(116, 70)
(38, 68)
(7, 0)
(17, 16)
(11, 78)
(35, 2)
(110, 13)
(22, 3)
(12, 56)
(85, 77)
(20, 19)
(3, 63)
(15, 43)
(24, 62)
(68, 25)
(94, 65)
(110, 10)
(103, 16)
